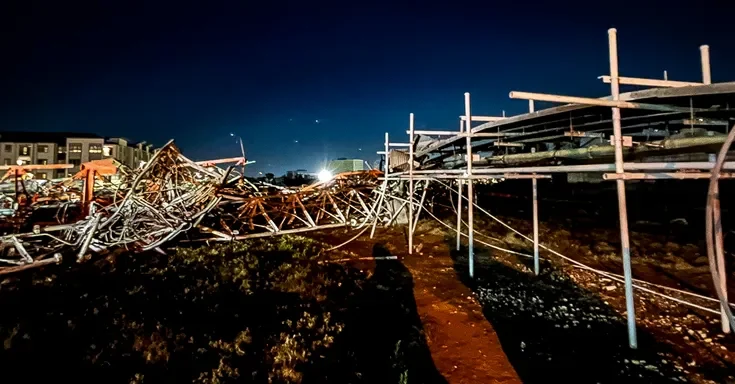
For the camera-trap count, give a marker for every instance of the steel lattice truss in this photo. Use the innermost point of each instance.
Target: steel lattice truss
(172, 197)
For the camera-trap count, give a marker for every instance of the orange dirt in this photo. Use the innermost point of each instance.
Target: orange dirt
(463, 344)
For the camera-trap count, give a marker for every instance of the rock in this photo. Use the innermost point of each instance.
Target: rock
(701, 260)
(603, 247)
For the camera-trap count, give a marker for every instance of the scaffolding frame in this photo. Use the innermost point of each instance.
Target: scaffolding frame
(619, 170)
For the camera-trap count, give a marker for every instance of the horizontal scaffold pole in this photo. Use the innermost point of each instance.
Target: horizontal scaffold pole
(598, 102)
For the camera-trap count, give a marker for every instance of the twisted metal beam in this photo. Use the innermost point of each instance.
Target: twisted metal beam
(172, 195)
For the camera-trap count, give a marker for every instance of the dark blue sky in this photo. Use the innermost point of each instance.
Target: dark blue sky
(268, 70)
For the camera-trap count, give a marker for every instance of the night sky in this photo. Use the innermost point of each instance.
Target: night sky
(306, 81)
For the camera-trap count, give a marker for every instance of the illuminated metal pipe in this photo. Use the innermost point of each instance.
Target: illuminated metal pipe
(622, 204)
(483, 118)
(664, 176)
(410, 183)
(459, 214)
(730, 165)
(491, 134)
(284, 232)
(597, 102)
(435, 133)
(470, 188)
(504, 144)
(54, 260)
(222, 161)
(706, 74)
(649, 82)
(473, 177)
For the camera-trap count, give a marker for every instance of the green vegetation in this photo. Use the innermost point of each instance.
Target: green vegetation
(256, 311)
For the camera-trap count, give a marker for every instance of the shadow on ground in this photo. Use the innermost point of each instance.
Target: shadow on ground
(245, 312)
(554, 331)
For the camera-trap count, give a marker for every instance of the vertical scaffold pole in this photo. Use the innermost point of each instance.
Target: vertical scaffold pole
(459, 201)
(459, 213)
(470, 189)
(410, 183)
(622, 205)
(706, 74)
(387, 148)
(534, 185)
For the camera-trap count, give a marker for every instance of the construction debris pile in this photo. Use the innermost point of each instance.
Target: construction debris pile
(106, 206)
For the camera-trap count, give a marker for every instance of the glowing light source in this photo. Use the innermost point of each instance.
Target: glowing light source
(324, 175)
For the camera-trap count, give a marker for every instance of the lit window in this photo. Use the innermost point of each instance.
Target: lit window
(62, 149)
(43, 162)
(95, 148)
(75, 148)
(43, 176)
(25, 150)
(43, 149)
(107, 150)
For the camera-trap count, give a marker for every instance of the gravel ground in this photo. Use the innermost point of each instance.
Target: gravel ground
(568, 324)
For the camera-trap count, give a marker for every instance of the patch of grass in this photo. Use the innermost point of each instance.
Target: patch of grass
(252, 311)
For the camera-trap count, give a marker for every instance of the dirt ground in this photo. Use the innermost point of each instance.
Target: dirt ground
(286, 310)
(463, 345)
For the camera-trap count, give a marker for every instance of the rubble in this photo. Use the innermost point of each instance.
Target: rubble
(168, 197)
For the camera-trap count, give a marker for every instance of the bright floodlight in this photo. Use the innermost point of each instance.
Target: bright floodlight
(324, 175)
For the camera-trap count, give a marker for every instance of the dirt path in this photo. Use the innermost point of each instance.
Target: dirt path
(463, 345)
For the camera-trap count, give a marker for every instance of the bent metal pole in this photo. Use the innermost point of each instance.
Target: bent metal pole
(622, 206)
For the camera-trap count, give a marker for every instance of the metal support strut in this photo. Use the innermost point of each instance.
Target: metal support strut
(410, 183)
(470, 190)
(622, 205)
(459, 214)
(534, 182)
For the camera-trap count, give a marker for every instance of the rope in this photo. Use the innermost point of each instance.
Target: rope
(612, 276)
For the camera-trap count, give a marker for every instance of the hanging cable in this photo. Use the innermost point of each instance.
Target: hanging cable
(609, 275)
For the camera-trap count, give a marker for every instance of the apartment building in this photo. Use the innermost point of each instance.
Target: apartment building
(68, 148)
